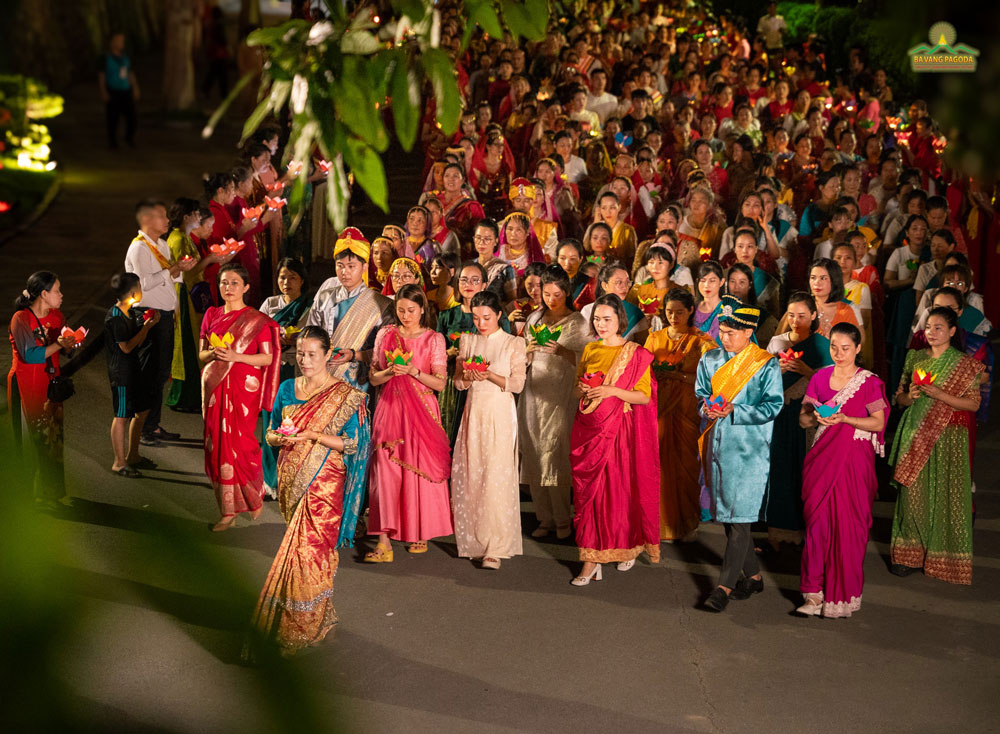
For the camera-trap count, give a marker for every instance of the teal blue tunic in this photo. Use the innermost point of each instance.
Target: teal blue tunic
(738, 453)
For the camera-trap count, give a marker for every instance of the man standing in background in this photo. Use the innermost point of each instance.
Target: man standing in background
(119, 90)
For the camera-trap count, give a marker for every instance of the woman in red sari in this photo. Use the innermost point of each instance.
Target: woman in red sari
(614, 455)
(321, 473)
(240, 349)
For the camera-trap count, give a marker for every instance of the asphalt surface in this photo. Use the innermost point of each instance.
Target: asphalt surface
(154, 605)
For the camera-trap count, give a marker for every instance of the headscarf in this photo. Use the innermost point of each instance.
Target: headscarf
(411, 265)
(403, 236)
(352, 239)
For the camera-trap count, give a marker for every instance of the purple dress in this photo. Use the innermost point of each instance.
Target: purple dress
(838, 488)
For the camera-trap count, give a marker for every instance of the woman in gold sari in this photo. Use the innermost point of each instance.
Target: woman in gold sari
(318, 423)
(677, 349)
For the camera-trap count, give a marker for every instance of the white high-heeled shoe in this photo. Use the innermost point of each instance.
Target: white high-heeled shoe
(626, 565)
(584, 580)
(813, 606)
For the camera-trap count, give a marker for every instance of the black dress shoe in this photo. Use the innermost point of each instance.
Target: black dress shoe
(164, 435)
(745, 588)
(148, 439)
(900, 570)
(717, 600)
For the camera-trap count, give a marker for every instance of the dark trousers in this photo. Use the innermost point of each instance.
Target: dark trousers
(739, 555)
(121, 104)
(155, 361)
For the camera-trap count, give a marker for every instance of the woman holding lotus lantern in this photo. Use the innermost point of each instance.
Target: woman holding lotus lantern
(411, 460)
(319, 425)
(613, 449)
(932, 526)
(290, 310)
(453, 323)
(800, 352)
(485, 500)
(676, 351)
(556, 335)
(649, 297)
(848, 408)
(241, 353)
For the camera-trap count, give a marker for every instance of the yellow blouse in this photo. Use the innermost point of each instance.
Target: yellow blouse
(598, 357)
(684, 353)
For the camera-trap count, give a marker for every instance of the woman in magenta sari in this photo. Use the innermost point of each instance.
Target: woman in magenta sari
(838, 478)
(411, 459)
(614, 455)
(241, 351)
(321, 477)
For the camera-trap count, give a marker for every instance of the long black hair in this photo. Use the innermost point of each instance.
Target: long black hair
(852, 332)
(182, 207)
(951, 318)
(612, 300)
(43, 280)
(836, 278)
(555, 275)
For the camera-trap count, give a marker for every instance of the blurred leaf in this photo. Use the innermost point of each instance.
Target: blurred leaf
(441, 72)
(368, 170)
(224, 105)
(414, 9)
(355, 103)
(404, 87)
(483, 13)
(359, 42)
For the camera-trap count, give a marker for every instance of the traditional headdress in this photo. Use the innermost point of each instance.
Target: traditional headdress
(738, 315)
(521, 187)
(351, 239)
(409, 264)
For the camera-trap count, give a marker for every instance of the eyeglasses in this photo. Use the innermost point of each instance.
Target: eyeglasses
(619, 282)
(955, 283)
(483, 238)
(470, 281)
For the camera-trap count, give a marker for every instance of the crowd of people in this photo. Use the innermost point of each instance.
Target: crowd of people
(668, 271)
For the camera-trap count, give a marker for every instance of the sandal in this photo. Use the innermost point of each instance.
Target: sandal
(381, 554)
(224, 523)
(418, 547)
(129, 472)
(491, 563)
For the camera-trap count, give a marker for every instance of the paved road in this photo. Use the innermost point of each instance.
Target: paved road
(144, 608)
(433, 644)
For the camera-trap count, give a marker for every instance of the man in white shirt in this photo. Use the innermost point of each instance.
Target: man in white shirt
(349, 310)
(600, 101)
(148, 257)
(772, 26)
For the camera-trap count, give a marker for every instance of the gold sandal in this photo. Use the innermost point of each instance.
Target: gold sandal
(419, 546)
(381, 554)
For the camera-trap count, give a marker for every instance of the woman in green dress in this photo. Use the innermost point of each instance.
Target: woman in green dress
(472, 278)
(800, 351)
(932, 525)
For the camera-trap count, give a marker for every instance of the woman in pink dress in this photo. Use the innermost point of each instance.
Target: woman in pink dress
(240, 376)
(838, 477)
(614, 453)
(411, 461)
